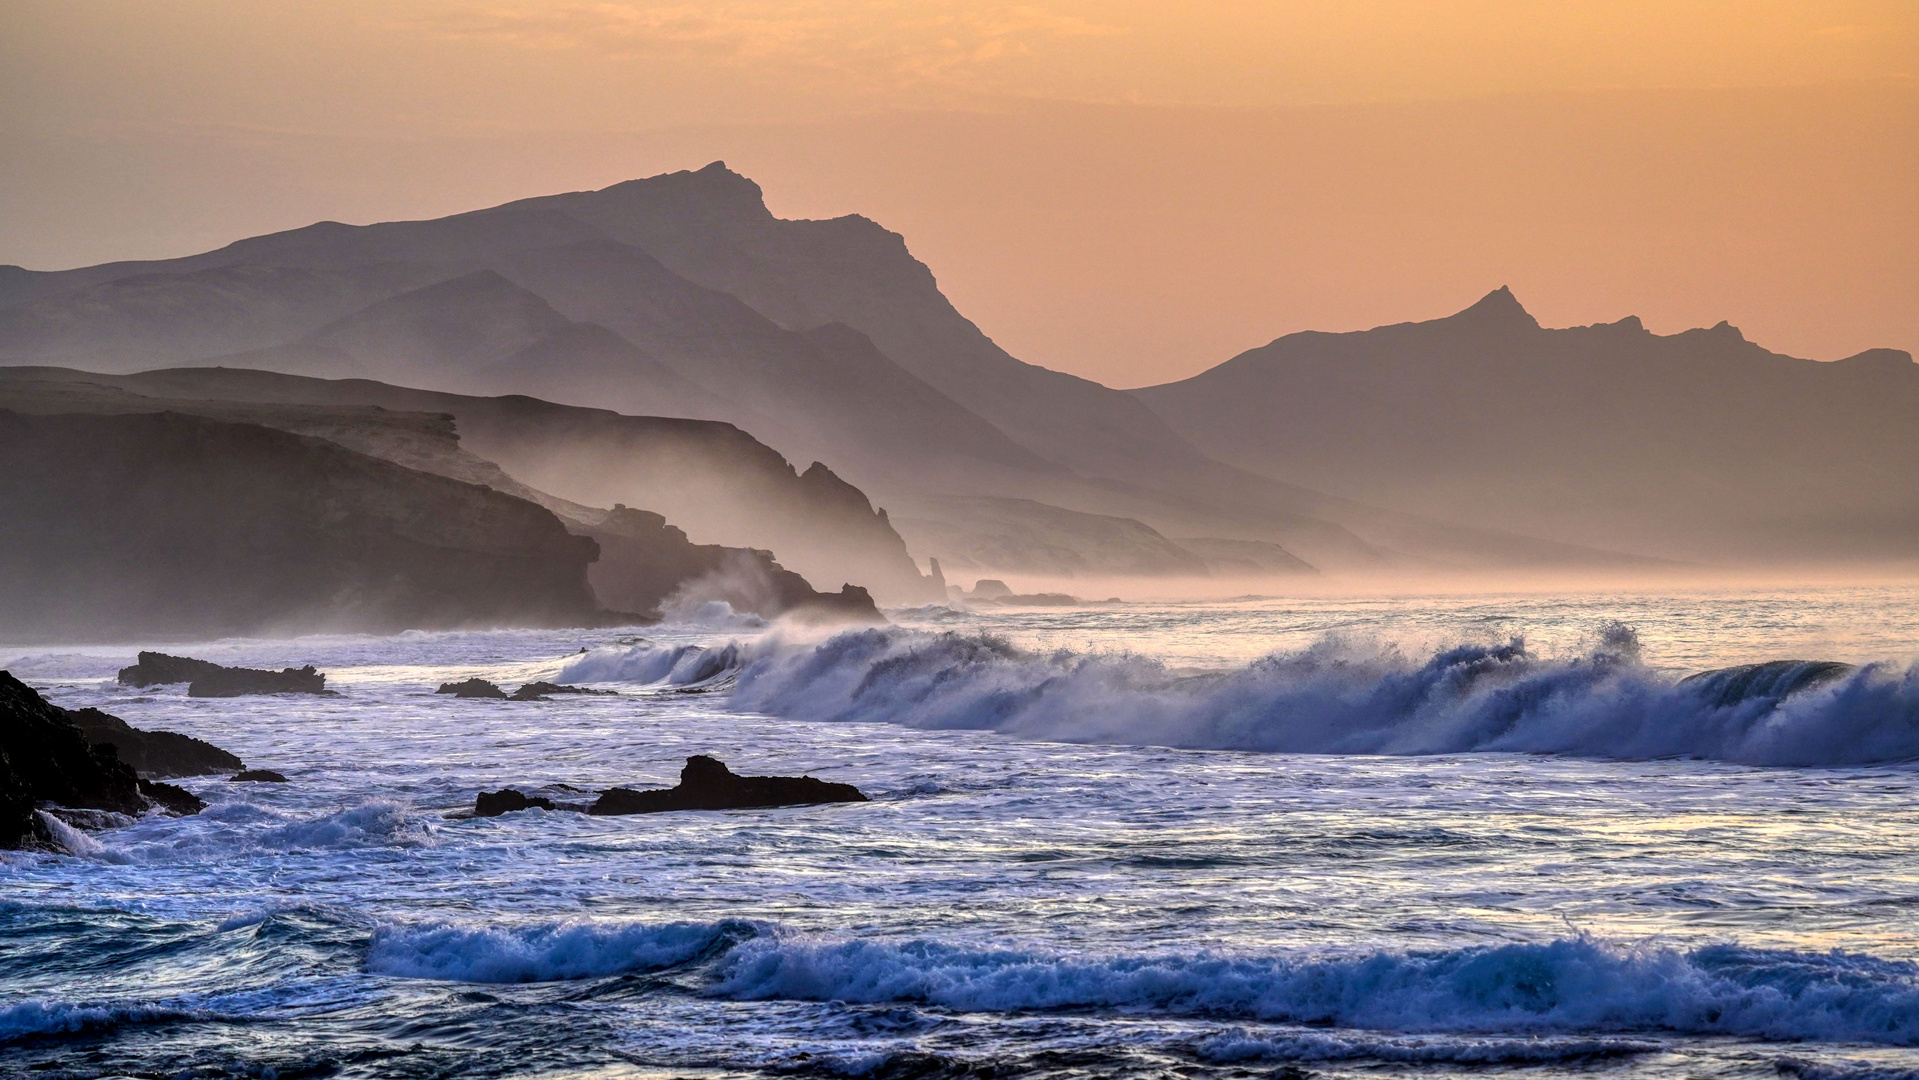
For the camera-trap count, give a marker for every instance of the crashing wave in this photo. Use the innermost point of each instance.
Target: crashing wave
(1573, 986)
(1336, 697)
(543, 952)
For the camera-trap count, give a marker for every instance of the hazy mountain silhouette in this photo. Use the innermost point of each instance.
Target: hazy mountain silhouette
(711, 479)
(682, 295)
(1697, 445)
(712, 226)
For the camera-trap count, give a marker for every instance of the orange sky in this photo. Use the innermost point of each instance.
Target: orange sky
(1128, 190)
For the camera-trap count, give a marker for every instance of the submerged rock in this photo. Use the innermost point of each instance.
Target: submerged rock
(707, 784)
(257, 776)
(506, 801)
(538, 691)
(158, 755)
(473, 688)
(45, 758)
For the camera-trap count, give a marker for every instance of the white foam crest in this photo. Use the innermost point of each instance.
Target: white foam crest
(1567, 986)
(541, 952)
(1338, 696)
(74, 841)
(658, 665)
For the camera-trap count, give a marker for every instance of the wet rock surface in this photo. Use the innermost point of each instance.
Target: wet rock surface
(238, 682)
(539, 691)
(506, 801)
(472, 688)
(45, 758)
(707, 784)
(208, 679)
(159, 669)
(257, 776)
(156, 755)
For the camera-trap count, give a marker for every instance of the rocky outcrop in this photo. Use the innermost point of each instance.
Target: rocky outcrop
(155, 755)
(472, 688)
(208, 679)
(539, 691)
(45, 758)
(240, 682)
(646, 563)
(174, 800)
(707, 784)
(159, 669)
(506, 801)
(257, 776)
(154, 525)
(643, 560)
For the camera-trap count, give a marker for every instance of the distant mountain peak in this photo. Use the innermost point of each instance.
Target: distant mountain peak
(716, 189)
(1498, 308)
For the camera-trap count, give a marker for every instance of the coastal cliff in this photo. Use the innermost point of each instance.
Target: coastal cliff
(167, 525)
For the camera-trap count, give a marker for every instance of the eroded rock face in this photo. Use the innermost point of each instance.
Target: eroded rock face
(707, 784)
(45, 757)
(156, 755)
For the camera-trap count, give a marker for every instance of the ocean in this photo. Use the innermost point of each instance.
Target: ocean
(1272, 837)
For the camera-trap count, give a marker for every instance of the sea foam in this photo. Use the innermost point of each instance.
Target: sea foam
(1336, 697)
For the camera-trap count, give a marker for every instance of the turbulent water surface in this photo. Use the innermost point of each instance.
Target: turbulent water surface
(1268, 837)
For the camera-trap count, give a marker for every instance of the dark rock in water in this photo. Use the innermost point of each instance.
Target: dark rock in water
(257, 776)
(236, 682)
(707, 784)
(209, 679)
(851, 604)
(506, 801)
(177, 800)
(474, 688)
(159, 669)
(45, 757)
(1774, 680)
(159, 755)
(537, 691)
(1043, 599)
(989, 589)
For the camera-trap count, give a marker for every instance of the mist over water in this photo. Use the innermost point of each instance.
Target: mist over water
(1345, 835)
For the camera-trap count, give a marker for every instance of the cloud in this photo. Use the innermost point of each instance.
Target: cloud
(902, 43)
